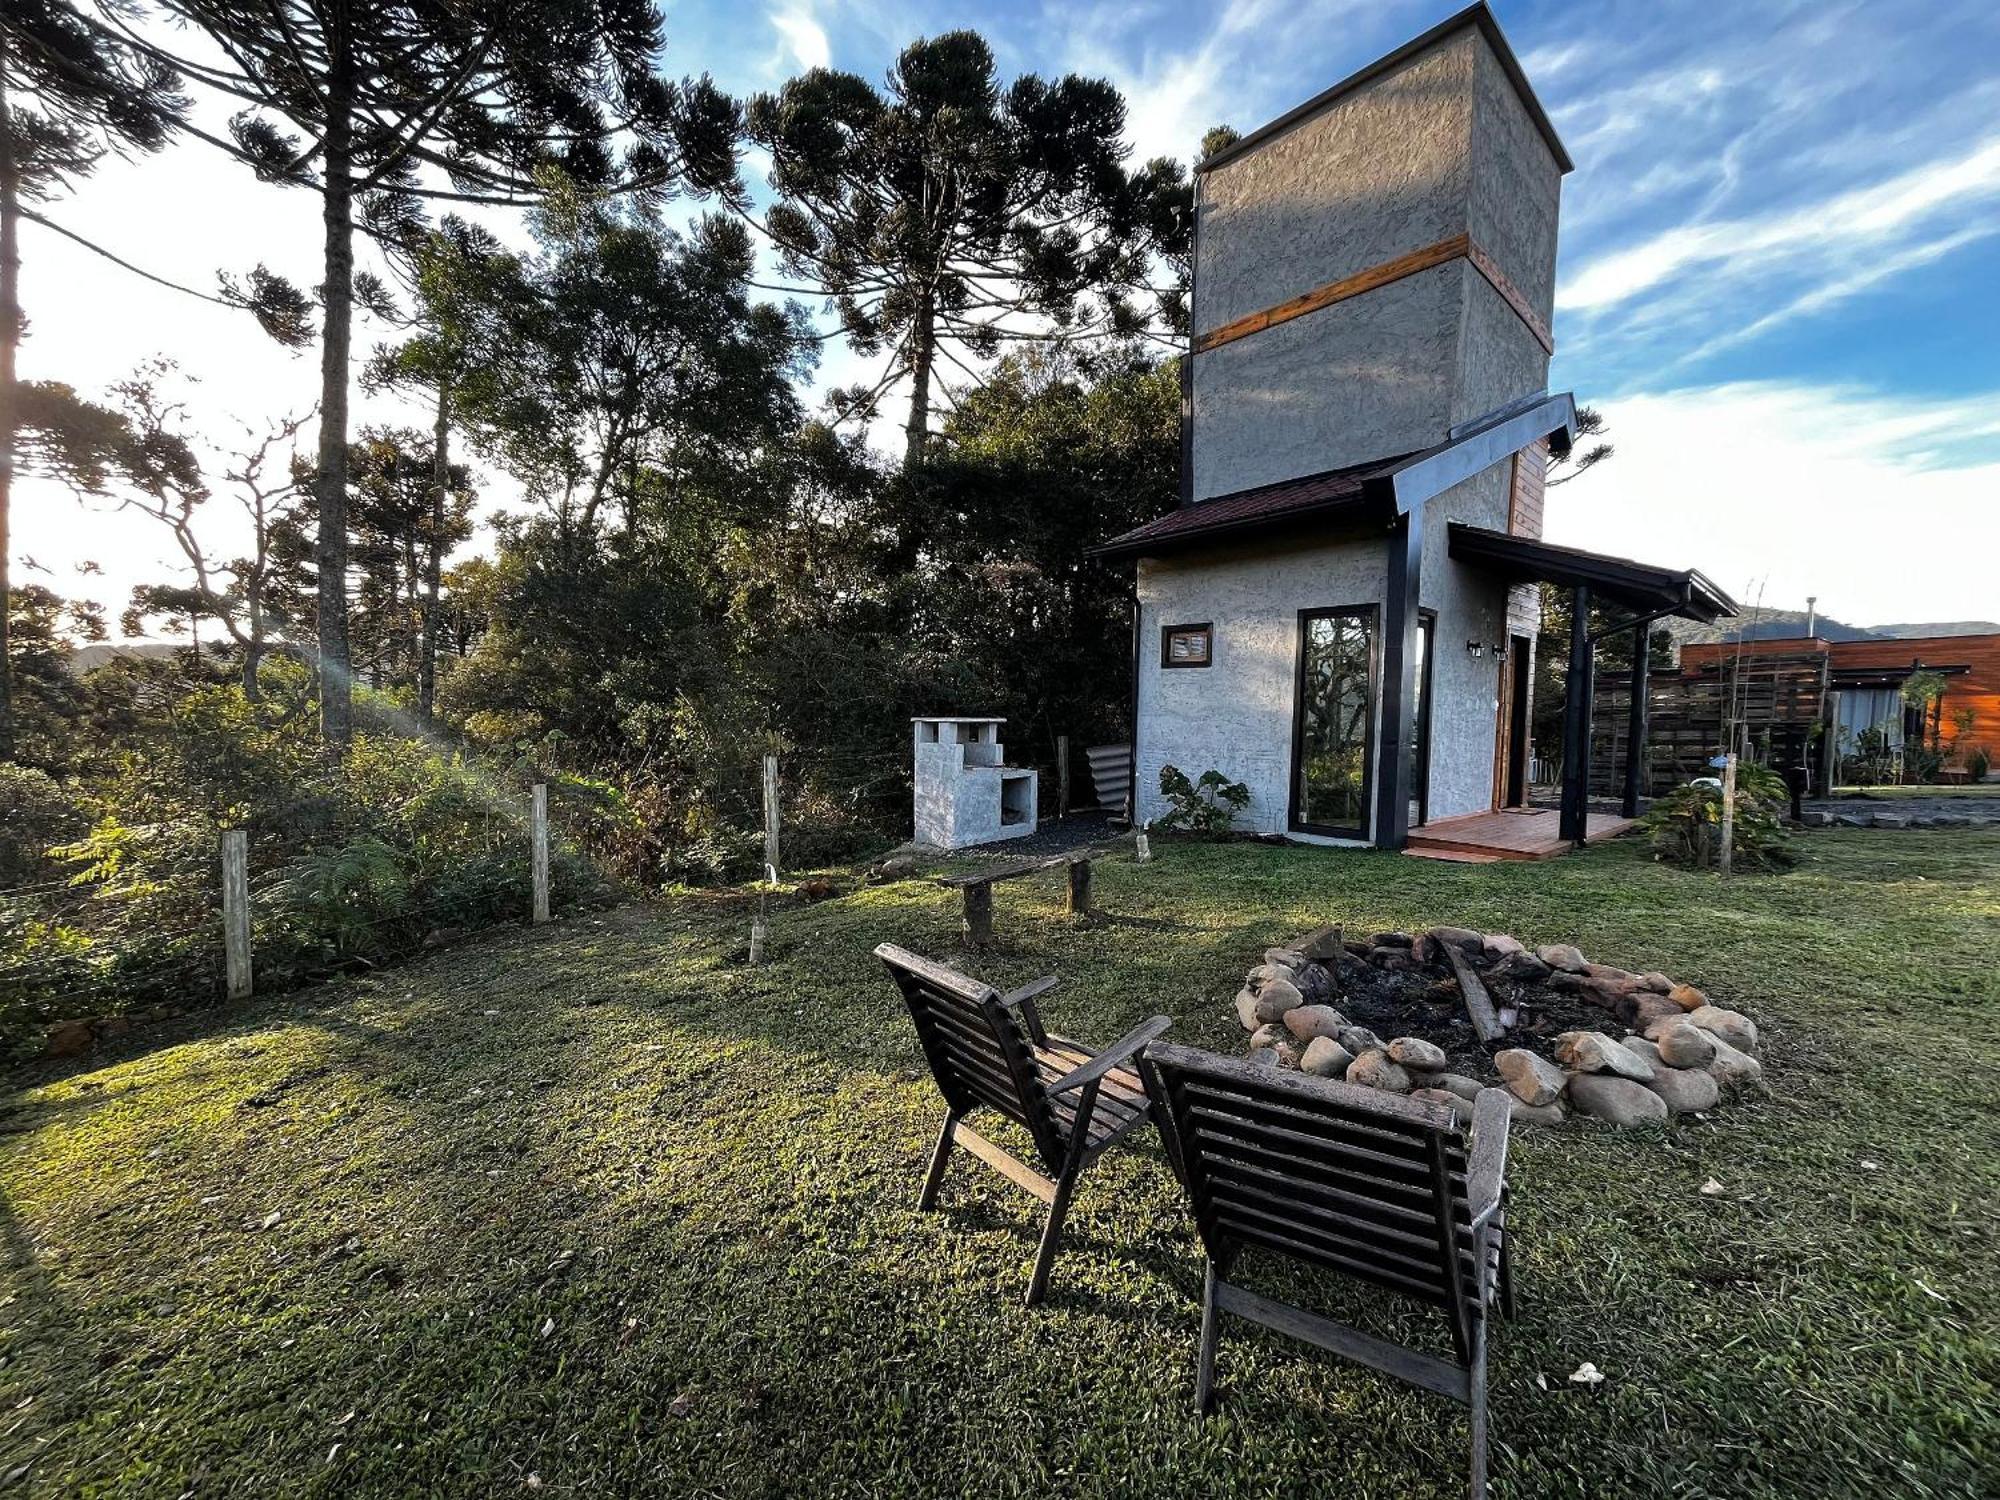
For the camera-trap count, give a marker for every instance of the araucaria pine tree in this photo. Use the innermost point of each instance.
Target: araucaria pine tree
(378, 105)
(950, 212)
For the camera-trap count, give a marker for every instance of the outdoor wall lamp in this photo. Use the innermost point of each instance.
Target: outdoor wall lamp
(1475, 648)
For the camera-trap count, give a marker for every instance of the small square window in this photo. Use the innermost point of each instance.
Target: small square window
(1187, 645)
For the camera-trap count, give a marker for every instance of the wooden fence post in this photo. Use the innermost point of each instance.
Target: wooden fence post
(538, 847)
(1079, 887)
(979, 915)
(236, 912)
(771, 818)
(1728, 848)
(1062, 776)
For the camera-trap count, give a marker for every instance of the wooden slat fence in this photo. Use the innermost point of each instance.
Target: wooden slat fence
(1777, 700)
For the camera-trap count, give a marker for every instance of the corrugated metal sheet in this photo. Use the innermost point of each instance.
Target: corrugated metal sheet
(1111, 776)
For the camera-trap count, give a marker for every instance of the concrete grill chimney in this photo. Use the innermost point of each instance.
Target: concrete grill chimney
(1375, 267)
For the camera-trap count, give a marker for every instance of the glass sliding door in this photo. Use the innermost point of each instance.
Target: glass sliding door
(1333, 724)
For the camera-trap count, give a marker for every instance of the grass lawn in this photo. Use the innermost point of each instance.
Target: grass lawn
(590, 1209)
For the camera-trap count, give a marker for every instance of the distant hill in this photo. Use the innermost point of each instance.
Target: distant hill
(1774, 624)
(1770, 624)
(1941, 627)
(89, 658)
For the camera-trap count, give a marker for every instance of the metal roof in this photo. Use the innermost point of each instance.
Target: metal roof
(1640, 586)
(1337, 497)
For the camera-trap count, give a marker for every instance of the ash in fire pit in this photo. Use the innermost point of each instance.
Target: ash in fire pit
(1443, 1014)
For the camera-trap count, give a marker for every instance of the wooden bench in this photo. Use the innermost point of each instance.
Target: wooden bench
(1386, 1190)
(976, 888)
(990, 1051)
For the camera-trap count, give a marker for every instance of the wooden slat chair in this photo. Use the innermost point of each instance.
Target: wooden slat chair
(1381, 1188)
(988, 1050)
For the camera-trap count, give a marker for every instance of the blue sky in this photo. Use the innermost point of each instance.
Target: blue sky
(1780, 254)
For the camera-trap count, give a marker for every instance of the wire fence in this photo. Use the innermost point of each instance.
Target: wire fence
(272, 905)
(106, 945)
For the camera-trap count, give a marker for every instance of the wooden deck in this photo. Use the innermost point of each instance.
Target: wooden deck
(1525, 833)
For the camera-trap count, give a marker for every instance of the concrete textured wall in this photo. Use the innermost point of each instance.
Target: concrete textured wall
(1498, 360)
(1440, 146)
(1382, 172)
(1377, 174)
(1465, 690)
(1370, 378)
(1236, 716)
(1516, 186)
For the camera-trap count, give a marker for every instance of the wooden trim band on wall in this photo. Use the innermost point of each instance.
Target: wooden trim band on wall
(1456, 247)
(1488, 267)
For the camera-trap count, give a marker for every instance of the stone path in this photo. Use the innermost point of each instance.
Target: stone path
(1975, 811)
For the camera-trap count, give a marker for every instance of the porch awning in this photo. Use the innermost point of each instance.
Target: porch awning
(1641, 587)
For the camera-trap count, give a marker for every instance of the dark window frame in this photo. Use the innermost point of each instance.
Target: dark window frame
(1420, 762)
(1167, 634)
(1372, 613)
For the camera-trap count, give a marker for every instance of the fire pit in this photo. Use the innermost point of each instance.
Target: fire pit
(1442, 1014)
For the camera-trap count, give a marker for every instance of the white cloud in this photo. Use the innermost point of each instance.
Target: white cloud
(803, 37)
(1882, 506)
(1871, 216)
(1556, 58)
(1225, 74)
(1832, 293)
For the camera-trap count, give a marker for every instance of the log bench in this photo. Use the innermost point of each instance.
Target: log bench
(976, 888)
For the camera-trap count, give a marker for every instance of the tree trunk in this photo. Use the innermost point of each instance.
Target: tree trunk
(10, 337)
(434, 558)
(336, 686)
(922, 336)
(253, 648)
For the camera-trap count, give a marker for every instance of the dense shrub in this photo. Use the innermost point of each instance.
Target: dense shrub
(35, 814)
(349, 865)
(1686, 824)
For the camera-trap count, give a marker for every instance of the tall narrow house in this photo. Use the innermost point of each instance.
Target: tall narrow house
(1342, 612)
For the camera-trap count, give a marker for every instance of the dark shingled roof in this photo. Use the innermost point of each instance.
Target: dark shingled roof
(1360, 495)
(1336, 495)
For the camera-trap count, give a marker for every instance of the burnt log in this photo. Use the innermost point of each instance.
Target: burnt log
(1478, 1004)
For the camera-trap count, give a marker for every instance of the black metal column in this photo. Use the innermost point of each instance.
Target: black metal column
(1636, 725)
(1395, 755)
(1576, 723)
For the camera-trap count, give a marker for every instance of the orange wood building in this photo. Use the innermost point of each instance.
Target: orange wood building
(1866, 673)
